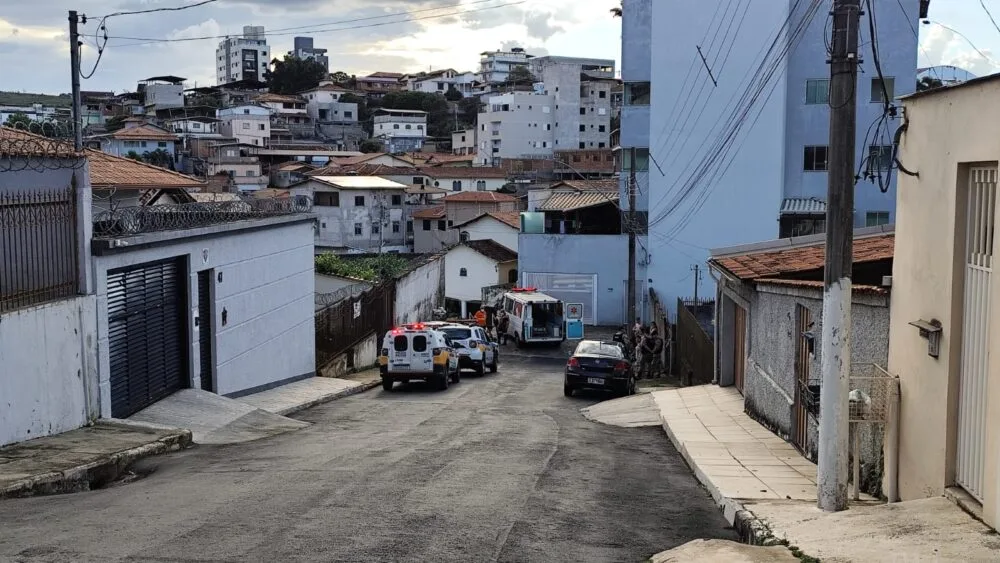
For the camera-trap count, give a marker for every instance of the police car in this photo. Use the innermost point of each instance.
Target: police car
(417, 352)
(475, 349)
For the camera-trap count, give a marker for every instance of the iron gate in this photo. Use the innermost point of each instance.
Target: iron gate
(971, 454)
(146, 334)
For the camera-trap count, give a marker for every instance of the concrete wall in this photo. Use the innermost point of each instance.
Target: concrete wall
(575, 254)
(420, 291)
(947, 134)
(266, 292)
(336, 224)
(527, 128)
(561, 77)
(362, 356)
(489, 228)
(434, 239)
(48, 375)
(480, 270)
(637, 20)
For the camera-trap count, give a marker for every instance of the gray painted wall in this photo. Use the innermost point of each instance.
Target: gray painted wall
(420, 291)
(267, 292)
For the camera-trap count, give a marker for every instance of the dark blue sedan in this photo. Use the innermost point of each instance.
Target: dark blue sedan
(599, 365)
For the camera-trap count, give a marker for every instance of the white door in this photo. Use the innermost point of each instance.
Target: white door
(568, 288)
(972, 405)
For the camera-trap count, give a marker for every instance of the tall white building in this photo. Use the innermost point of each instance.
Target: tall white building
(516, 125)
(243, 58)
(495, 66)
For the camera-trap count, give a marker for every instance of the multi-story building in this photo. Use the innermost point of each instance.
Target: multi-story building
(773, 178)
(515, 125)
(235, 160)
(581, 89)
(248, 124)
(323, 104)
(243, 58)
(495, 66)
(463, 141)
(433, 224)
(440, 81)
(289, 117)
(400, 130)
(378, 84)
(303, 49)
(137, 138)
(161, 92)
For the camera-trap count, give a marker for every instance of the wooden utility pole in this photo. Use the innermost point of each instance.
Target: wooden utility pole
(836, 346)
(630, 227)
(74, 63)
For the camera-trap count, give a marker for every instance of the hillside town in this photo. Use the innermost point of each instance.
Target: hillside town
(309, 313)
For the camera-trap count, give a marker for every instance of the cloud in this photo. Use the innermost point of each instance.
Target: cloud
(941, 46)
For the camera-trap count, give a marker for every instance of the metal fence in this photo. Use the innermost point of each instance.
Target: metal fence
(128, 221)
(38, 247)
(695, 352)
(344, 324)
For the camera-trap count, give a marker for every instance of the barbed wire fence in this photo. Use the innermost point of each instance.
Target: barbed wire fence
(38, 146)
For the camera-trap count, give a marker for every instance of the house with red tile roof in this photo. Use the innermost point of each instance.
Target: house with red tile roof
(432, 234)
(768, 315)
(138, 137)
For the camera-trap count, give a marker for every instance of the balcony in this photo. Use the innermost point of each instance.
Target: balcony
(223, 159)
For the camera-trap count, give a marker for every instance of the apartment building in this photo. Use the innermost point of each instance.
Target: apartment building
(515, 125)
(303, 49)
(495, 66)
(248, 124)
(463, 141)
(323, 104)
(243, 58)
(582, 92)
(401, 130)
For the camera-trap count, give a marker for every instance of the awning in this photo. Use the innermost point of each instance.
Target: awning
(571, 201)
(803, 206)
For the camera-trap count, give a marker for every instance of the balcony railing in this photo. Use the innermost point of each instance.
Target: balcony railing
(130, 221)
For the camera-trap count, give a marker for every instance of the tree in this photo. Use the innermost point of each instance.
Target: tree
(370, 145)
(18, 121)
(340, 77)
(159, 157)
(134, 156)
(115, 123)
(928, 83)
(294, 75)
(439, 119)
(521, 75)
(468, 111)
(453, 95)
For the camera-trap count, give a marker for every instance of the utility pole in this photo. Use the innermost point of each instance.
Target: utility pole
(74, 63)
(836, 346)
(630, 227)
(697, 277)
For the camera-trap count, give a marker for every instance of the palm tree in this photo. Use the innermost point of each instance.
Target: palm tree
(159, 157)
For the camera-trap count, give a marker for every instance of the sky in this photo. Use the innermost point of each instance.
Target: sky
(34, 56)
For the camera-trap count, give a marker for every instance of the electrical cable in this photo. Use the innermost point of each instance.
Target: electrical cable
(988, 13)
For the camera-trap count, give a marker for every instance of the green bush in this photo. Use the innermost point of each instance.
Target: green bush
(369, 268)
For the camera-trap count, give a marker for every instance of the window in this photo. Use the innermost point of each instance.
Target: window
(450, 223)
(876, 218)
(359, 201)
(548, 126)
(879, 158)
(408, 126)
(420, 127)
(583, 128)
(481, 185)
(815, 159)
(348, 115)
(397, 200)
(246, 125)
(602, 94)
(327, 199)
(456, 185)
(400, 343)
(637, 94)
(878, 96)
(583, 111)
(600, 145)
(818, 91)
(376, 228)
(441, 226)
(357, 229)
(409, 226)
(420, 343)
(162, 144)
(641, 160)
(601, 128)
(464, 236)
(395, 226)
(261, 126)
(427, 224)
(250, 173)
(418, 180)
(583, 145)
(462, 272)
(395, 126)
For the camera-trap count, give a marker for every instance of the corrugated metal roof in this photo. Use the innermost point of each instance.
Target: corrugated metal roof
(570, 201)
(803, 206)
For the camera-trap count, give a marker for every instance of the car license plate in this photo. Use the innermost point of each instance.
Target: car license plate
(595, 381)
(401, 366)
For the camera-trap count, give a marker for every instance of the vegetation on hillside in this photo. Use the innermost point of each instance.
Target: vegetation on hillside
(294, 75)
(27, 98)
(369, 268)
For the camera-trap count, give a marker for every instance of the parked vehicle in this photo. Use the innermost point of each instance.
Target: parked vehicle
(475, 349)
(415, 351)
(534, 317)
(599, 365)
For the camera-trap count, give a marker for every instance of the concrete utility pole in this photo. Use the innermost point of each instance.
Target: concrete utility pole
(630, 227)
(836, 346)
(697, 278)
(74, 63)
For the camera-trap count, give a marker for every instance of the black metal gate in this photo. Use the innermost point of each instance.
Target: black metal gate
(205, 330)
(146, 334)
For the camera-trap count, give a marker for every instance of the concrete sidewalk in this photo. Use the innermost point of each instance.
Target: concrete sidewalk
(81, 459)
(767, 490)
(300, 395)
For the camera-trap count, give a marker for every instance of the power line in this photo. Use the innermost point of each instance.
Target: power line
(149, 40)
(916, 36)
(151, 10)
(967, 40)
(987, 10)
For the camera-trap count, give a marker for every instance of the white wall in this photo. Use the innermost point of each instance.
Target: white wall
(267, 291)
(468, 184)
(489, 228)
(481, 272)
(419, 292)
(48, 371)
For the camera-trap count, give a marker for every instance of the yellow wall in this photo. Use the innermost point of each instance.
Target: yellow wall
(947, 131)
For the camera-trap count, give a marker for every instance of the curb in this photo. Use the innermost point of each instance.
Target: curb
(96, 473)
(360, 388)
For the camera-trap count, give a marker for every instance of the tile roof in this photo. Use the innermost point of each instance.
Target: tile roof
(510, 218)
(144, 132)
(384, 75)
(14, 142)
(362, 158)
(602, 160)
(471, 173)
(492, 250)
(802, 206)
(571, 201)
(610, 184)
(436, 212)
(280, 98)
(816, 284)
(327, 88)
(482, 197)
(435, 159)
(775, 263)
(369, 169)
(110, 171)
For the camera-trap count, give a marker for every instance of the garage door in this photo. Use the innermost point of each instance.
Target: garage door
(568, 288)
(146, 334)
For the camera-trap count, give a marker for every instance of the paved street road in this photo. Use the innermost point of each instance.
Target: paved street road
(502, 468)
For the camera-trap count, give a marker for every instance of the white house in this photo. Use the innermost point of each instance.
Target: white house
(402, 130)
(471, 179)
(357, 213)
(138, 137)
(469, 267)
(323, 104)
(440, 81)
(498, 226)
(248, 124)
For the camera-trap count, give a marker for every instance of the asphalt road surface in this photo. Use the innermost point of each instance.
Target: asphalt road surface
(502, 468)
